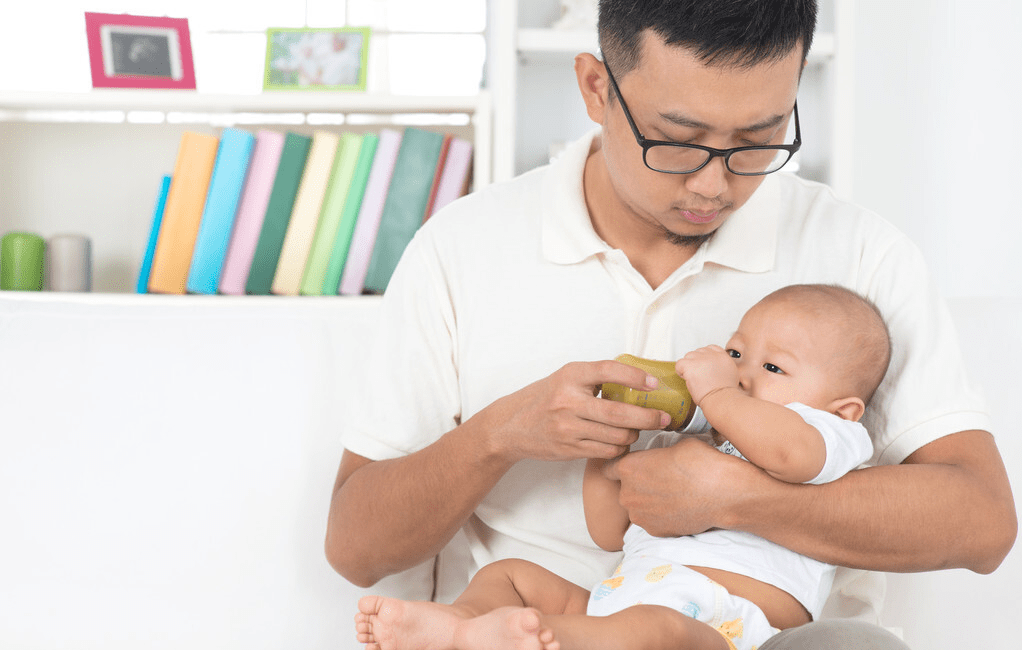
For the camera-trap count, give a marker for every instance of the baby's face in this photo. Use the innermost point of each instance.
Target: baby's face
(784, 357)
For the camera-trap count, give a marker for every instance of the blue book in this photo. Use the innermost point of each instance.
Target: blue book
(154, 234)
(225, 188)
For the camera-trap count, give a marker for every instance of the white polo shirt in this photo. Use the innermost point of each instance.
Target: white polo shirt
(510, 283)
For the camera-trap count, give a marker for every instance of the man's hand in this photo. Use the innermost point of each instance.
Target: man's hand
(707, 370)
(561, 418)
(679, 490)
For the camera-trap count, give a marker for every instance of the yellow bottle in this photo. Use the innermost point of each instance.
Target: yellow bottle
(671, 396)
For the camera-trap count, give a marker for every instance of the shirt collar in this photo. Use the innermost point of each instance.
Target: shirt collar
(746, 241)
(568, 233)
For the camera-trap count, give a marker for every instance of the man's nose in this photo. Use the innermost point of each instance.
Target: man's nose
(711, 181)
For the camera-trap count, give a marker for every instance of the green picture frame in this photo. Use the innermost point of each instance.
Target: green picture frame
(327, 58)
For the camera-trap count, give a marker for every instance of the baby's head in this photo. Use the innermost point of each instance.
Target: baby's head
(821, 345)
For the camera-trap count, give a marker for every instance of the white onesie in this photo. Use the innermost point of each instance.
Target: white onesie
(653, 567)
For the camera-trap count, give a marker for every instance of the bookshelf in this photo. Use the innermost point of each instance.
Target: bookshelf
(91, 162)
(537, 105)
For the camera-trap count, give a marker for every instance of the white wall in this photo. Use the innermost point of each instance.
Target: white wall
(937, 102)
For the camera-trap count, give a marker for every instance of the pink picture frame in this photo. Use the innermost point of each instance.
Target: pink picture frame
(128, 51)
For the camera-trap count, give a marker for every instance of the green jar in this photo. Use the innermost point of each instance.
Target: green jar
(671, 396)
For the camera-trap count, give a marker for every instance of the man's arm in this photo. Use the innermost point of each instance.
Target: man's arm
(949, 505)
(390, 515)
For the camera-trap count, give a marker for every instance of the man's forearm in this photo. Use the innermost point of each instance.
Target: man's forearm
(388, 516)
(948, 506)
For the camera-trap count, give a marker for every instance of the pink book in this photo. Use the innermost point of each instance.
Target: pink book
(368, 223)
(455, 176)
(251, 212)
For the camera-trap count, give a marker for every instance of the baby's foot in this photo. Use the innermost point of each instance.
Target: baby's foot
(392, 624)
(506, 628)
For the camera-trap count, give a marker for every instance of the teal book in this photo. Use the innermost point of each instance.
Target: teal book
(154, 234)
(278, 213)
(225, 188)
(330, 214)
(405, 205)
(349, 216)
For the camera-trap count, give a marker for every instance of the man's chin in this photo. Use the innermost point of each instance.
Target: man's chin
(688, 241)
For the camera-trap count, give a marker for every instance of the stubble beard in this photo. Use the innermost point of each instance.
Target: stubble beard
(691, 242)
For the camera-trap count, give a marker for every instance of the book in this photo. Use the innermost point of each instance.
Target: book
(278, 213)
(225, 186)
(405, 203)
(142, 286)
(251, 211)
(456, 174)
(301, 228)
(368, 222)
(182, 214)
(330, 216)
(435, 185)
(349, 217)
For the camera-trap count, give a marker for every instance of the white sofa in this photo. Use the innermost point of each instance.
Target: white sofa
(167, 462)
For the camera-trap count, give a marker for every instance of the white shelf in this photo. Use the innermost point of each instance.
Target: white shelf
(824, 48)
(111, 147)
(178, 100)
(552, 41)
(537, 41)
(366, 302)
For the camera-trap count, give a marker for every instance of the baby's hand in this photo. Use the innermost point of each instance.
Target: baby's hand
(707, 370)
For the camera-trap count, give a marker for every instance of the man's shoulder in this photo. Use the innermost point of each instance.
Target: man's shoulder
(813, 209)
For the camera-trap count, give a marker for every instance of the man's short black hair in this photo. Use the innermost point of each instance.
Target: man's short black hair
(739, 33)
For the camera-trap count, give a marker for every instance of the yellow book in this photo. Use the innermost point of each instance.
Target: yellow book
(305, 215)
(183, 213)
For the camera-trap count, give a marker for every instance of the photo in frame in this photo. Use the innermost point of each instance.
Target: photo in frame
(127, 51)
(316, 59)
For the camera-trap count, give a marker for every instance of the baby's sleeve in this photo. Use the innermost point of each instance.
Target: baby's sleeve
(848, 443)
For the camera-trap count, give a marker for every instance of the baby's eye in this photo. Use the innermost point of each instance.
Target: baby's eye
(735, 354)
(769, 367)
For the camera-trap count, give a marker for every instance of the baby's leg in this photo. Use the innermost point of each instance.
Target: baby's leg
(500, 608)
(642, 627)
(523, 584)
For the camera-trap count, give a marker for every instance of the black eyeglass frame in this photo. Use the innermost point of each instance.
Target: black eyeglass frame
(726, 154)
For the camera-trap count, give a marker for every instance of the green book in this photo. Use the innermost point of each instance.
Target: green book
(330, 214)
(349, 217)
(405, 203)
(278, 213)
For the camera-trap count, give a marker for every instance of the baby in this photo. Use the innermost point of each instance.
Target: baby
(786, 394)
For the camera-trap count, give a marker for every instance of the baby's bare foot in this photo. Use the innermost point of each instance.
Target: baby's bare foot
(506, 628)
(392, 624)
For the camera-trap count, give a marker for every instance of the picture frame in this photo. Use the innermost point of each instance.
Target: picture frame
(316, 58)
(127, 51)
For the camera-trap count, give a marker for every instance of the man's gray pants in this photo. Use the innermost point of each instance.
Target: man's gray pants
(835, 635)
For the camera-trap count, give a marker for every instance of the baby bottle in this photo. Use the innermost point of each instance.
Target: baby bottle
(671, 396)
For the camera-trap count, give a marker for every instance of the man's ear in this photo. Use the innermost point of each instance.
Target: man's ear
(593, 84)
(847, 408)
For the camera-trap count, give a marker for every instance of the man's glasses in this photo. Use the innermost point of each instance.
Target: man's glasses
(677, 158)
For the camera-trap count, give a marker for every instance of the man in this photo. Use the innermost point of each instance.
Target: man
(652, 236)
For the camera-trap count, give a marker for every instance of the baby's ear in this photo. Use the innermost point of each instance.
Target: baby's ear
(848, 408)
